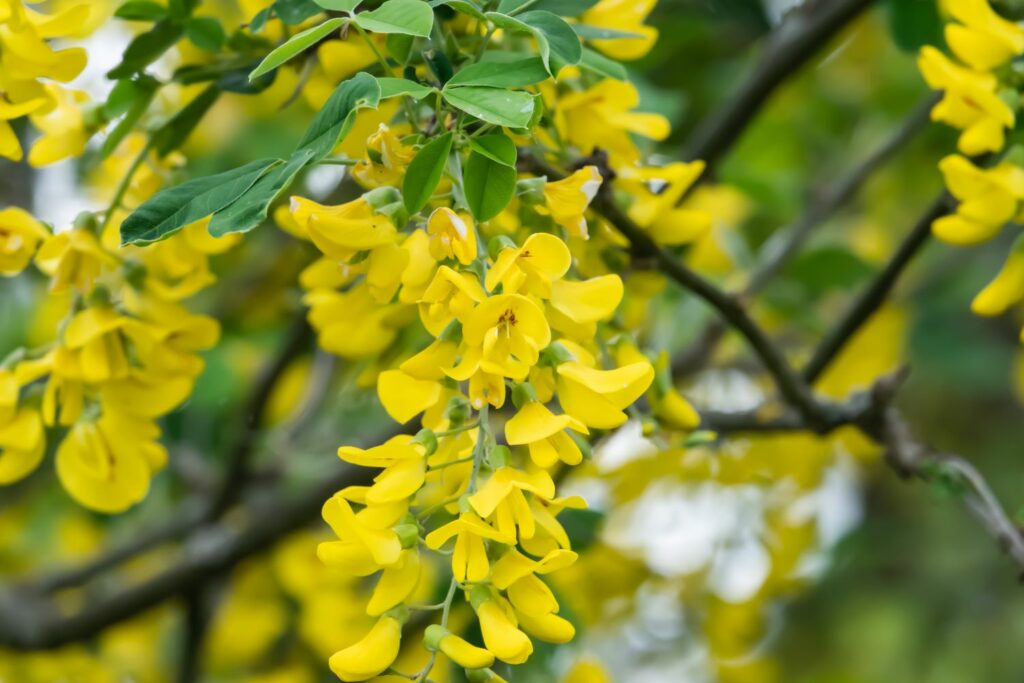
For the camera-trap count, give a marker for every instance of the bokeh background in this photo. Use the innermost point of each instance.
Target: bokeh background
(786, 558)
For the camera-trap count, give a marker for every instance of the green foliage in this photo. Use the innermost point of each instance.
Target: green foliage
(494, 105)
(425, 171)
(206, 33)
(295, 46)
(489, 184)
(915, 23)
(335, 119)
(515, 73)
(409, 17)
(250, 209)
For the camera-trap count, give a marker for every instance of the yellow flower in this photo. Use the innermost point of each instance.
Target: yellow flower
(469, 561)
(587, 671)
(988, 199)
(1006, 289)
(372, 655)
(96, 335)
(404, 467)
(396, 583)
(983, 40)
(597, 397)
(501, 636)
(550, 535)
(504, 334)
(513, 566)
(366, 541)
(455, 648)
(62, 127)
(568, 199)
(548, 626)
(544, 433)
(22, 440)
(969, 102)
(343, 230)
(387, 159)
(627, 16)
(73, 259)
(20, 235)
(655, 191)
(601, 118)
(106, 464)
(503, 499)
(451, 295)
(353, 324)
(10, 146)
(404, 396)
(452, 236)
(531, 268)
(576, 307)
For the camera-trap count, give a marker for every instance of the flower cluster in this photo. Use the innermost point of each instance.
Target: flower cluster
(125, 353)
(978, 99)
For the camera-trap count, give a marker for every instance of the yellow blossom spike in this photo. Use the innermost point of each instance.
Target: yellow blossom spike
(984, 40)
(372, 655)
(1006, 289)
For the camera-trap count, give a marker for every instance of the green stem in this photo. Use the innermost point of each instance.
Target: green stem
(126, 181)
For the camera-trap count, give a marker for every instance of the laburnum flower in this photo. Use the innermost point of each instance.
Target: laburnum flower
(602, 118)
(503, 336)
(547, 626)
(566, 200)
(372, 655)
(96, 335)
(386, 159)
(576, 306)
(73, 259)
(343, 230)
(106, 464)
(1006, 289)
(655, 192)
(404, 396)
(983, 40)
(531, 268)
(627, 16)
(498, 625)
(969, 102)
(502, 499)
(63, 129)
(988, 199)
(451, 295)
(596, 397)
(353, 324)
(550, 534)
(366, 540)
(544, 434)
(469, 560)
(22, 439)
(452, 235)
(667, 404)
(396, 583)
(404, 467)
(20, 236)
(466, 655)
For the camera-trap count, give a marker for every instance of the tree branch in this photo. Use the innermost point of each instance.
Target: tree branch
(780, 249)
(799, 38)
(874, 296)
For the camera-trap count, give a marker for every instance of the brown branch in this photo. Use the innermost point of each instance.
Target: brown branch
(801, 36)
(875, 295)
(780, 249)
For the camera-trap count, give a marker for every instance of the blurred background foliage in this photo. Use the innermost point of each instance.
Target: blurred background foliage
(903, 586)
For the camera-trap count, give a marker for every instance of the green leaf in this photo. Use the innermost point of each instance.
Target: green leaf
(339, 5)
(170, 210)
(424, 173)
(206, 33)
(294, 12)
(558, 43)
(489, 186)
(146, 47)
(565, 8)
(915, 23)
(250, 210)
(173, 134)
(461, 6)
(123, 95)
(510, 108)
(259, 20)
(439, 64)
(411, 17)
(295, 45)
(597, 63)
(181, 9)
(564, 44)
(335, 118)
(396, 87)
(514, 74)
(497, 147)
(141, 10)
(400, 46)
(601, 33)
(143, 91)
